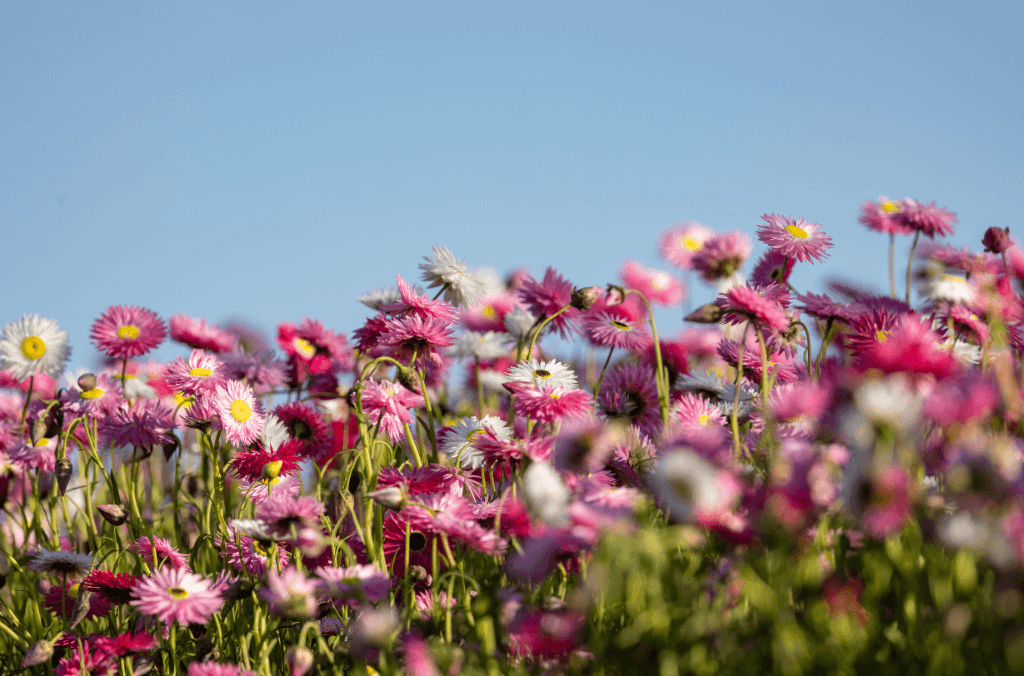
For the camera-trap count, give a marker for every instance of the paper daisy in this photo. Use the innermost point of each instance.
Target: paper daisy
(290, 594)
(60, 563)
(797, 239)
(158, 551)
(124, 331)
(927, 218)
(543, 373)
(458, 445)
(548, 404)
(176, 595)
(461, 288)
(31, 345)
(883, 216)
(722, 256)
(240, 413)
(548, 296)
(201, 372)
(196, 334)
(743, 303)
(613, 330)
(679, 244)
(660, 287)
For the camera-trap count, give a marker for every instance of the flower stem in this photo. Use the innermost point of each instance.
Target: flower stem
(910, 262)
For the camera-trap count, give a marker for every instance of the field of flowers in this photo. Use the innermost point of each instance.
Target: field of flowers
(522, 476)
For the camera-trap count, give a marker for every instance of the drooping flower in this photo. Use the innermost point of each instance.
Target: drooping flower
(927, 218)
(413, 339)
(126, 331)
(307, 426)
(290, 594)
(176, 595)
(196, 334)
(722, 256)
(461, 288)
(679, 244)
(416, 304)
(794, 238)
(387, 404)
(883, 216)
(240, 413)
(458, 444)
(760, 305)
(61, 563)
(32, 345)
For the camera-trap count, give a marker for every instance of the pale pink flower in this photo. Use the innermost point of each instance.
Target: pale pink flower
(176, 595)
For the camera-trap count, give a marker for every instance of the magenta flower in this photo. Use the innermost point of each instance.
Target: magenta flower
(773, 268)
(722, 256)
(547, 297)
(249, 465)
(797, 239)
(548, 404)
(158, 551)
(388, 404)
(418, 305)
(660, 287)
(239, 412)
(306, 426)
(217, 669)
(114, 588)
(760, 305)
(290, 594)
(414, 340)
(629, 393)
(144, 423)
(612, 330)
(315, 349)
(246, 554)
(196, 334)
(176, 595)
(123, 332)
(927, 218)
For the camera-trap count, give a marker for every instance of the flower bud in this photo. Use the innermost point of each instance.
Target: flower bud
(114, 514)
(392, 497)
(616, 295)
(87, 382)
(170, 447)
(63, 470)
(995, 240)
(41, 651)
(584, 299)
(299, 659)
(38, 430)
(418, 573)
(705, 314)
(272, 469)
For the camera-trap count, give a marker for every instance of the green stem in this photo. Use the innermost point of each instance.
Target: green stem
(910, 262)
(540, 327)
(734, 423)
(597, 390)
(892, 264)
(660, 374)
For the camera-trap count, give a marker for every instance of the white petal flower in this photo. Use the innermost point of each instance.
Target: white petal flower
(473, 344)
(543, 373)
(545, 494)
(33, 344)
(458, 445)
(462, 288)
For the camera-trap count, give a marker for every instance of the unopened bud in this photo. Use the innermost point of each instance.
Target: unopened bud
(83, 603)
(299, 659)
(143, 665)
(272, 469)
(114, 514)
(995, 240)
(41, 651)
(38, 430)
(705, 314)
(170, 447)
(63, 470)
(87, 382)
(584, 299)
(418, 573)
(616, 295)
(392, 497)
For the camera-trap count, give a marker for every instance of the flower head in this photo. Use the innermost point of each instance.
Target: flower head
(239, 411)
(548, 296)
(885, 216)
(196, 334)
(927, 218)
(722, 256)
(458, 444)
(31, 345)
(158, 551)
(60, 563)
(387, 403)
(660, 287)
(202, 372)
(760, 305)
(543, 374)
(680, 244)
(290, 594)
(176, 595)
(126, 331)
(443, 270)
(794, 238)
(612, 330)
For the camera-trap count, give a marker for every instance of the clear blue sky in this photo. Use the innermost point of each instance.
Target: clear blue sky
(275, 160)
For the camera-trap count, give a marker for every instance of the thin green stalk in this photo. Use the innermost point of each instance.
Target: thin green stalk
(540, 327)
(910, 262)
(597, 390)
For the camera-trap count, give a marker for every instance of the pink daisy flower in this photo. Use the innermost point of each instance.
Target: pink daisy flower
(306, 426)
(629, 393)
(250, 464)
(97, 401)
(428, 479)
(912, 347)
(142, 424)
(548, 296)
(693, 410)
(722, 256)
(388, 404)
(548, 404)
(773, 268)
(202, 372)
(176, 595)
(123, 331)
(312, 349)
(418, 305)
(489, 313)
(927, 218)
(797, 239)
(420, 543)
(239, 412)
(678, 245)
(660, 287)
(250, 555)
(612, 330)
(158, 551)
(821, 306)
(883, 216)
(359, 583)
(267, 487)
(743, 303)
(411, 336)
(114, 588)
(196, 334)
(283, 514)
(290, 594)
(217, 669)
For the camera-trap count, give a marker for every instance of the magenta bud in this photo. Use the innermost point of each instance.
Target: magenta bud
(616, 295)
(584, 299)
(997, 241)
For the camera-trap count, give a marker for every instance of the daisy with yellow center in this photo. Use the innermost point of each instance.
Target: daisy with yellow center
(796, 239)
(31, 345)
(241, 415)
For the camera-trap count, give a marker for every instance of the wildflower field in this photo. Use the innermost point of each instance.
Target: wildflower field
(527, 476)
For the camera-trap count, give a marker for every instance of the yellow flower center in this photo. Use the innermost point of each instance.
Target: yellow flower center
(33, 347)
(704, 419)
(128, 332)
(621, 325)
(240, 410)
(178, 592)
(891, 207)
(692, 244)
(489, 312)
(272, 481)
(882, 336)
(181, 400)
(304, 347)
(259, 548)
(797, 232)
(204, 373)
(542, 373)
(73, 591)
(94, 393)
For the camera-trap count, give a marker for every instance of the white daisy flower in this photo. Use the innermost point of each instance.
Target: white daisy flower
(725, 399)
(71, 564)
(543, 373)
(458, 445)
(545, 494)
(702, 382)
(686, 484)
(473, 344)
(33, 344)
(462, 288)
(274, 433)
(378, 298)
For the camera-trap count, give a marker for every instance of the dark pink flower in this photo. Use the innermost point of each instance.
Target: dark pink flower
(722, 256)
(414, 340)
(124, 331)
(202, 372)
(307, 426)
(743, 303)
(773, 268)
(387, 404)
(144, 423)
(547, 297)
(927, 218)
(611, 329)
(548, 404)
(114, 588)
(417, 305)
(629, 393)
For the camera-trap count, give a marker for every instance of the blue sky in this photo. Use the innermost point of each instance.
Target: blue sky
(274, 161)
